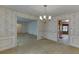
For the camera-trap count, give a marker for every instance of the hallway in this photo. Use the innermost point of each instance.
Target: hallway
(29, 45)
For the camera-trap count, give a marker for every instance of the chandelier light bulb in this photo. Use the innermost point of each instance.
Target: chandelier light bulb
(49, 17)
(66, 20)
(44, 17)
(40, 18)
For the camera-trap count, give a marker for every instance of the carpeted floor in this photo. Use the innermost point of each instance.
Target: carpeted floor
(28, 44)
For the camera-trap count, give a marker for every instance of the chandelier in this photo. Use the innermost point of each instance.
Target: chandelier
(45, 17)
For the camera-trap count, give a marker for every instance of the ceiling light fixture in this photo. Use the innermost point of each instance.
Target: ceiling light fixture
(45, 17)
(66, 20)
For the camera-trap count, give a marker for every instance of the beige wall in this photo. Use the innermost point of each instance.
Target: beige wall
(7, 29)
(19, 28)
(8, 26)
(40, 29)
(28, 27)
(51, 32)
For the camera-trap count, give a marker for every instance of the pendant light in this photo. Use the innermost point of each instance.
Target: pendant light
(45, 17)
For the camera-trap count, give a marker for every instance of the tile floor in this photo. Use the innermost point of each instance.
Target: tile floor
(28, 44)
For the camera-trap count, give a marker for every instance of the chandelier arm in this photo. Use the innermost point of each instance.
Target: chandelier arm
(45, 17)
(45, 7)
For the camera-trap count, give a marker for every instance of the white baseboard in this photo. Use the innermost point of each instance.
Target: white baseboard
(6, 48)
(74, 45)
(51, 39)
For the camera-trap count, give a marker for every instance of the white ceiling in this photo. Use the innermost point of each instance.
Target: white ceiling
(24, 20)
(38, 10)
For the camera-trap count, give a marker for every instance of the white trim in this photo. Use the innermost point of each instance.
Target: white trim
(74, 45)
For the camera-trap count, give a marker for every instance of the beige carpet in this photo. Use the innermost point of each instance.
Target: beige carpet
(27, 44)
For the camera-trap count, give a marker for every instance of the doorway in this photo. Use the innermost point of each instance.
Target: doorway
(63, 31)
(26, 31)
